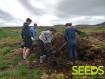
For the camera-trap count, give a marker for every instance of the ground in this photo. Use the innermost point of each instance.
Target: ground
(91, 48)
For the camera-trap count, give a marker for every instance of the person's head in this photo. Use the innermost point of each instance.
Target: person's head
(52, 30)
(68, 24)
(28, 20)
(35, 24)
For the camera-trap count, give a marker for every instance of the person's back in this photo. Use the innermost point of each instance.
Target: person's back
(70, 34)
(26, 33)
(46, 36)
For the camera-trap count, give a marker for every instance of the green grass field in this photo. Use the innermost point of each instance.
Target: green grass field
(9, 62)
(10, 67)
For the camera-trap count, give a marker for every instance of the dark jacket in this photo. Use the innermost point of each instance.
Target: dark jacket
(26, 33)
(70, 34)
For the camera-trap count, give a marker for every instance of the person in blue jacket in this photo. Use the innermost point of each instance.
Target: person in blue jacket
(26, 36)
(70, 36)
(33, 30)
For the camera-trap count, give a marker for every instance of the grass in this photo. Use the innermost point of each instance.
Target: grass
(21, 72)
(5, 51)
(10, 39)
(93, 29)
(3, 66)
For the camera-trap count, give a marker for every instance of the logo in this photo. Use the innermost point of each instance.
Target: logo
(88, 70)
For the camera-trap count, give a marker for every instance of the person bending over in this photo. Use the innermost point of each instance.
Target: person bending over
(45, 38)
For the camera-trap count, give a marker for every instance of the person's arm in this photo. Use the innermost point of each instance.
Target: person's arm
(83, 34)
(31, 31)
(35, 32)
(32, 35)
(45, 35)
(22, 34)
(78, 31)
(65, 35)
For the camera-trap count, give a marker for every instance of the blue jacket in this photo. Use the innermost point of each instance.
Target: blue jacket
(70, 34)
(33, 31)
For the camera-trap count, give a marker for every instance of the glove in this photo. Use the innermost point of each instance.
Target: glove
(83, 34)
(32, 38)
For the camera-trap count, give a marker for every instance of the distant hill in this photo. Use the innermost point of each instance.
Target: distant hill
(101, 24)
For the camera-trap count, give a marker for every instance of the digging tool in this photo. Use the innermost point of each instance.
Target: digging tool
(59, 49)
(52, 58)
(54, 51)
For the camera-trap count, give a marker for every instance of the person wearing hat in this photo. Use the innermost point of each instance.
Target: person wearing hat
(70, 37)
(44, 39)
(26, 36)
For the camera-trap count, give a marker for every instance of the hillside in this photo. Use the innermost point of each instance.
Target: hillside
(101, 24)
(91, 47)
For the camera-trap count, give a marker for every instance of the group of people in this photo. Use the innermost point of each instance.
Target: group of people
(29, 35)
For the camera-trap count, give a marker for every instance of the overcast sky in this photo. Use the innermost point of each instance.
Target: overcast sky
(52, 12)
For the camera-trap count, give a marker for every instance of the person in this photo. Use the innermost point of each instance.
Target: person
(26, 36)
(33, 30)
(45, 38)
(70, 36)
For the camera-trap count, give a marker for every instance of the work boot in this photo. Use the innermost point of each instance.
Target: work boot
(70, 62)
(76, 62)
(42, 58)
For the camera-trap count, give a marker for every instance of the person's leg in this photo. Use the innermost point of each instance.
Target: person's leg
(71, 52)
(27, 52)
(42, 47)
(75, 52)
(24, 50)
(24, 47)
(28, 47)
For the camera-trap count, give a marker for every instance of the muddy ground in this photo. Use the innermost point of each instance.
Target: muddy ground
(91, 51)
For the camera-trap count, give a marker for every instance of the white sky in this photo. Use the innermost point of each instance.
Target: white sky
(51, 12)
